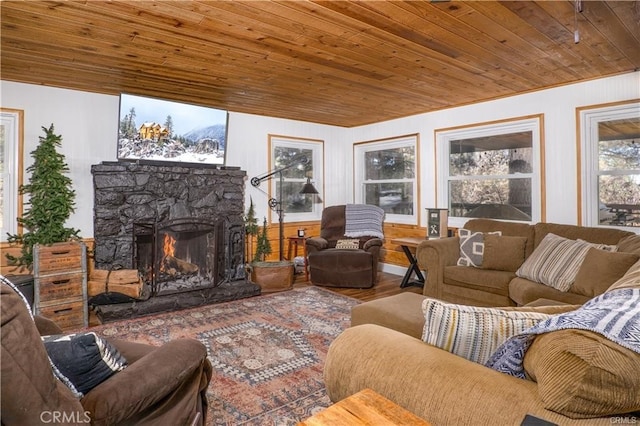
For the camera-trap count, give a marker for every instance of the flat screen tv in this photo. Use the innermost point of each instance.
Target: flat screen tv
(154, 130)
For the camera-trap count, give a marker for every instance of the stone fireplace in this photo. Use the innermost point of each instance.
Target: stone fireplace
(181, 227)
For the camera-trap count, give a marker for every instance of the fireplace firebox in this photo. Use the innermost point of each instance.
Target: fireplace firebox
(180, 255)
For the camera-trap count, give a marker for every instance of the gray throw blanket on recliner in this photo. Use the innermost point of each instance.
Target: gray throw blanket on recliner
(363, 220)
(614, 315)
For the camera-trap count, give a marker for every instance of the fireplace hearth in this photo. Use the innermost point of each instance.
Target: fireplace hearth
(181, 227)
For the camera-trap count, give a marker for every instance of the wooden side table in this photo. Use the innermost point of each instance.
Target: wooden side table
(409, 245)
(293, 243)
(364, 408)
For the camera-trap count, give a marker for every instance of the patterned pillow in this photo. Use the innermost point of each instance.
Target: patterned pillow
(472, 247)
(557, 260)
(471, 332)
(83, 361)
(348, 244)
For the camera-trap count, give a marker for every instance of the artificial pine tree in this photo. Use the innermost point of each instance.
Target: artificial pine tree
(51, 200)
(263, 248)
(250, 227)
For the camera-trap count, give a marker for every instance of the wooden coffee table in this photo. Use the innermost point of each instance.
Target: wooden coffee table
(364, 408)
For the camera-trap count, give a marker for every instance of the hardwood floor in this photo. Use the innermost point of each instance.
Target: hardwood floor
(387, 285)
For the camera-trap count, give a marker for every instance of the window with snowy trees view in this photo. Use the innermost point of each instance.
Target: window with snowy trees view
(491, 171)
(610, 146)
(385, 176)
(287, 151)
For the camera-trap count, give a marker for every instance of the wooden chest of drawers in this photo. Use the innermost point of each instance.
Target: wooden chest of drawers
(60, 284)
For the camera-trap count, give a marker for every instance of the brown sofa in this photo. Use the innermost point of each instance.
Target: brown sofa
(574, 377)
(490, 287)
(161, 385)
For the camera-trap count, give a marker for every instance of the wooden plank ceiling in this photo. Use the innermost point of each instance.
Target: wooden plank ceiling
(344, 63)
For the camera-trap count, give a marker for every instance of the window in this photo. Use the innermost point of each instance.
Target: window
(385, 176)
(491, 171)
(285, 151)
(10, 170)
(610, 165)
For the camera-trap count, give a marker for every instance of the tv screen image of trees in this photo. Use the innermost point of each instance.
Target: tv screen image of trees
(161, 130)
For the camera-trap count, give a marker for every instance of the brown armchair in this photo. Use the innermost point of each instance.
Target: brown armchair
(161, 385)
(333, 267)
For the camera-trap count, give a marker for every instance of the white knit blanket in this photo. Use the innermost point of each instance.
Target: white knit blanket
(363, 220)
(614, 315)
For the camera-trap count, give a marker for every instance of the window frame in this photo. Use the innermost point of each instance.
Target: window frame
(588, 118)
(317, 178)
(359, 151)
(13, 121)
(533, 123)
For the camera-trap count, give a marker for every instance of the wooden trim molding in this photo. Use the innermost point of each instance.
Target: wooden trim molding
(19, 161)
(488, 124)
(580, 154)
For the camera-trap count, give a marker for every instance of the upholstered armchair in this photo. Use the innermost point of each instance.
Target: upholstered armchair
(347, 250)
(160, 385)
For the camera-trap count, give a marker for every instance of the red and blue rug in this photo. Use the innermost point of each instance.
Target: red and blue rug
(267, 352)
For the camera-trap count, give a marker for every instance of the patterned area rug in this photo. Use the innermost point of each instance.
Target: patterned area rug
(267, 352)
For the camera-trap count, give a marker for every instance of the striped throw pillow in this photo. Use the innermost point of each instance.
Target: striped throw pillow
(557, 260)
(471, 332)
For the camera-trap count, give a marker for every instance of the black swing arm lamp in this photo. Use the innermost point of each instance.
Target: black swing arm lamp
(277, 205)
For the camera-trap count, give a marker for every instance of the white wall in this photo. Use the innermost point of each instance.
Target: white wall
(559, 108)
(248, 144)
(88, 124)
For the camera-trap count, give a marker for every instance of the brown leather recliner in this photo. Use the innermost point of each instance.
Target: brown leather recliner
(332, 267)
(160, 385)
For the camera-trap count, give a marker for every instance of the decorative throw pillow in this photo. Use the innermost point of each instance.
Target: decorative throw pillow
(83, 360)
(472, 247)
(582, 374)
(631, 278)
(348, 244)
(556, 261)
(630, 244)
(600, 269)
(471, 332)
(605, 247)
(502, 253)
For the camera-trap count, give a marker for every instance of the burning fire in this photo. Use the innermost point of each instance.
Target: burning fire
(172, 265)
(169, 246)
(168, 251)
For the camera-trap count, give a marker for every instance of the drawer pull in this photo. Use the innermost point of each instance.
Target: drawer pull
(62, 310)
(58, 282)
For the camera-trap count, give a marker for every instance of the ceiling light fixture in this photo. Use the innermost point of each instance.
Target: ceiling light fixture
(577, 9)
